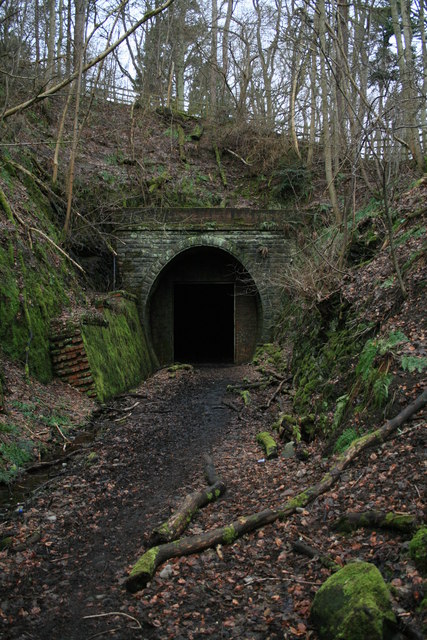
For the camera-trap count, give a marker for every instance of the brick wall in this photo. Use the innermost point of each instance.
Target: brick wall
(69, 358)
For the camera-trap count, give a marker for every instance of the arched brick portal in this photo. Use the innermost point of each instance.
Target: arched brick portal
(245, 249)
(204, 306)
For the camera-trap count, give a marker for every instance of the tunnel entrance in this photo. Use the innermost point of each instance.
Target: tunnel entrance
(204, 307)
(204, 322)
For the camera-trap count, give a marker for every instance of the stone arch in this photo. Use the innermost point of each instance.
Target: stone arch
(191, 242)
(160, 299)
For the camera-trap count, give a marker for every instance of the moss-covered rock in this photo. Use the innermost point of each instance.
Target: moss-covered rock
(418, 549)
(117, 353)
(353, 604)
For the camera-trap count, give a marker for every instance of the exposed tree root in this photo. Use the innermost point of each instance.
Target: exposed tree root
(147, 564)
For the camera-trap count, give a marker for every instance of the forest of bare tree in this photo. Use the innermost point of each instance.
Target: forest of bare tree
(350, 77)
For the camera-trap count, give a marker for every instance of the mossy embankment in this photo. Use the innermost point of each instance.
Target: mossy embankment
(40, 284)
(358, 350)
(36, 283)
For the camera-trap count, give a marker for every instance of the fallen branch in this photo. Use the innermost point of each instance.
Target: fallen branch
(51, 463)
(268, 443)
(231, 405)
(76, 264)
(277, 391)
(326, 561)
(179, 521)
(233, 153)
(404, 522)
(115, 613)
(146, 566)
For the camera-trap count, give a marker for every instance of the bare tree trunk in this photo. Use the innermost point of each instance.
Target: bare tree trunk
(313, 96)
(50, 65)
(410, 71)
(327, 145)
(405, 61)
(179, 76)
(225, 38)
(60, 38)
(37, 32)
(213, 71)
(292, 101)
(68, 55)
(60, 134)
(78, 57)
(422, 20)
(389, 222)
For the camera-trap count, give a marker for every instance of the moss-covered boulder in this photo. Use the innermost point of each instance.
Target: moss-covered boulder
(353, 604)
(418, 549)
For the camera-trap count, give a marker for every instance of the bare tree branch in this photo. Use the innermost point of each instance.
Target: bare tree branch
(54, 89)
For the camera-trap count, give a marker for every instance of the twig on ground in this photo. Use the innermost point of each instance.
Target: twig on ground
(115, 613)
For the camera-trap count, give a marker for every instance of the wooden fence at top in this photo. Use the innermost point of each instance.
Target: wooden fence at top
(126, 95)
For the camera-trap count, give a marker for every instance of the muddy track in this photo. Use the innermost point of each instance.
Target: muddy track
(93, 518)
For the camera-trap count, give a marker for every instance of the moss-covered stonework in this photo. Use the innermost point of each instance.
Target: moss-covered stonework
(353, 604)
(418, 550)
(117, 354)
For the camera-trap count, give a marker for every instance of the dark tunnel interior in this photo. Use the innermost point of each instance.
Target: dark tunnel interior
(202, 310)
(203, 322)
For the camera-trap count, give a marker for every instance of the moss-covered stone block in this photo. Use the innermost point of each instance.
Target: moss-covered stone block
(353, 604)
(418, 549)
(118, 354)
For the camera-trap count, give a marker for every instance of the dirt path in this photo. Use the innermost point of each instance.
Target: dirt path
(92, 519)
(75, 542)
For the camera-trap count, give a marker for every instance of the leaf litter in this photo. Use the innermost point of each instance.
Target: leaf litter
(75, 541)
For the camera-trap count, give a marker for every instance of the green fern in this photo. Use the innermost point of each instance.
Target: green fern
(412, 363)
(366, 360)
(340, 408)
(375, 347)
(346, 438)
(246, 396)
(17, 454)
(386, 344)
(296, 433)
(380, 389)
(8, 428)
